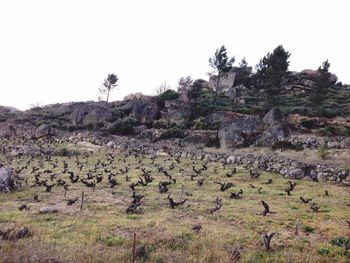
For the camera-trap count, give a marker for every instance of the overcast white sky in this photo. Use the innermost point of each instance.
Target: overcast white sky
(60, 51)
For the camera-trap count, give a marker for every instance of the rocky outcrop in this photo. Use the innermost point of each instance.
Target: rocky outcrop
(150, 112)
(134, 96)
(246, 130)
(273, 134)
(8, 181)
(220, 117)
(237, 93)
(43, 131)
(239, 132)
(199, 137)
(274, 116)
(314, 74)
(145, 110)
(8, 130)
(275, 128)
(175, 110)
(90, 113)
(6, 112)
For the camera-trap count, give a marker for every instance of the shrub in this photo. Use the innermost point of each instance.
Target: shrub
(114, 241)
(323, 151)
(175, 132)
(334, 131)
(124, 126)
(308, 229)
(341, 242)
(71, 128)
(169, 95)
(160, 124)
(117, 114)
(200, 124)
(213, 142)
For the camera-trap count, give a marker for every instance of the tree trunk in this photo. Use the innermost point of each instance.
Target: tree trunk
(217, 86)
(107, 95)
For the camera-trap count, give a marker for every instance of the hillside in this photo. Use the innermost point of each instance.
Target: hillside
(178, 178)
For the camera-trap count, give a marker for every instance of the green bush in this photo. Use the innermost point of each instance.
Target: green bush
(341, 242)
(308, 229)
(124, 126)
(117, 114)
(169, 95)
(334, 131)
(160, 124)
(175, 132)
(213, 142)
(323, 151)
(114, 241)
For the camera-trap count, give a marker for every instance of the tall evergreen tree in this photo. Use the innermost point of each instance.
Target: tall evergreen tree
(319, 92)
(270, 71)
(245, 72)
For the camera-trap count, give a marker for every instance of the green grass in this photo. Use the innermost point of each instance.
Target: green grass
(103, 232)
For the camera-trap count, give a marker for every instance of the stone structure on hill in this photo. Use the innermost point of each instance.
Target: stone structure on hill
(231, 84)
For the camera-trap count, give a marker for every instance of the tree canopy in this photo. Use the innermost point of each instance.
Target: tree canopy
(271, 70)
(108, 84)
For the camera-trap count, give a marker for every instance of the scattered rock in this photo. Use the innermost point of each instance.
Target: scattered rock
(111, 144)
(48, 210)
(8, 181)
(43, 131)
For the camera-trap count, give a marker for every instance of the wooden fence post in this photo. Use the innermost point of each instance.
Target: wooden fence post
(82, 201)
(134, 248)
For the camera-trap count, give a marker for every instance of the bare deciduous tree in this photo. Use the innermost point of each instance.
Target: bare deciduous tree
(161, 89)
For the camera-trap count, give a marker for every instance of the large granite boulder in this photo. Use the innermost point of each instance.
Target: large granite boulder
(138, 108)
(175, 110)
(247, 130)
(314, 74)
(145, 110)
(275, 128)
(150, 112)
(274, 116)
(220, 117)
(90, 113)
(240, 131)
(43, 130)
(8, 181)
(273, 134)
(200, 137)
(134, 96)
(236, 93)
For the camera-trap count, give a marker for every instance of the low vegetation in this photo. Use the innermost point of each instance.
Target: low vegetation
(216, 213)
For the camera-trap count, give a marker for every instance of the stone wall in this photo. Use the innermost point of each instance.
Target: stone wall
(288, 168)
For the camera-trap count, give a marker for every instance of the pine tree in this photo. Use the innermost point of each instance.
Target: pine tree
(108, 84)
(319, 92)
(271, 70)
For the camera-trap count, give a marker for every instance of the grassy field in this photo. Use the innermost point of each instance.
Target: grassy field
(103, 231)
